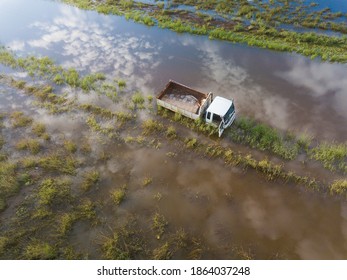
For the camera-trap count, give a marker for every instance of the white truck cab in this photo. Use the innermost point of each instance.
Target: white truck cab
(221, 113)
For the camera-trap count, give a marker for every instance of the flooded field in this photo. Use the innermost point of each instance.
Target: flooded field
(128, 183)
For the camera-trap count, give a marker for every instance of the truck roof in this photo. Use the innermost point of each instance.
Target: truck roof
(219, 106)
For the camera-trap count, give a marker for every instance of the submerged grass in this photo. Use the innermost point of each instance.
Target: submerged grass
(53, 190)
(332, 155)
(159, 224)
(118, 195)
(8, 182)
(32, 145)
(58, 162)
(124, 243)
(339, 187)
(20, 120)
(91, 178)
(38, 250)
(65, 222)
(252, 25)
(150, 126)
(46, 68)
(70, 146)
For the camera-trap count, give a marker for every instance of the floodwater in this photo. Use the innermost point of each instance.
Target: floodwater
(287, 91)
(227, 208)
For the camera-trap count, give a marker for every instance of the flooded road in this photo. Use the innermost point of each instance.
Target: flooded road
(230, 212)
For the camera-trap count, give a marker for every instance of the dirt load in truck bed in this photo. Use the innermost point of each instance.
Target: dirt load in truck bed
(182, 97)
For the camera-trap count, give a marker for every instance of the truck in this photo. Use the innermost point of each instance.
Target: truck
(218, 111)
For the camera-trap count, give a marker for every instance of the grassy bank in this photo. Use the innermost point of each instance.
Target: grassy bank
(243, 25)
(265, 138)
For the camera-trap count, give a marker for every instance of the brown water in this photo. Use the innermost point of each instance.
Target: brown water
(227, 208)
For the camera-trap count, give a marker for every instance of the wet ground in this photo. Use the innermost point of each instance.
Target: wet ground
(224, 211)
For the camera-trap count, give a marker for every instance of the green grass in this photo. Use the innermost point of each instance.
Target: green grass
(163, 252)
(58, 79)
(191, 143)
(3, 244)
(138, 99)
(159, 225)
(113, 248)
(46, 68)
(118, 195)
(2, 141)
(52, 191)
(86, 210)
(38, 250)
(20, 120)
(171, 132)
(263, 137)
(65, 223)
(58, 162)
(8, 181)
(39, 129)
(125, 242)
(70, 146)
(28, 162)
(150, 126)
(95, 126)
(332, 155)
(339, 187)
(32, 145)
(90, 179)
(121, 83)
(87, 83)
(147, 181)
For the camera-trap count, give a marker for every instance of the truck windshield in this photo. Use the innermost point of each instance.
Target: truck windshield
(229, 113)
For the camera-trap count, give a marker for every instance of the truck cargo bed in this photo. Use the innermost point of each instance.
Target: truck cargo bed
(182, 99)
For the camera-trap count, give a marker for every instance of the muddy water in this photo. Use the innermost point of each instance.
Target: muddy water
(227, 208)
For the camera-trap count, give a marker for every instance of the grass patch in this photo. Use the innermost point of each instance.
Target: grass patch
(40, 251)
(90, 179)
(263, 137)
(121, 83)
(150, 126)
(159, 224)
(3, 244)
(2, 141)
(39, 129)
(124, 243)
(86, 210)
(162, 253)
(147, 181)
(32, 145)
(70, 146)
(171, 132)
(191, 143)
(339, 187)
(333, 156)
(53, 191)
(20, 120)
(58, 162)
(65, 222)
(118, 195)
(138, 100)
(8, 181)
